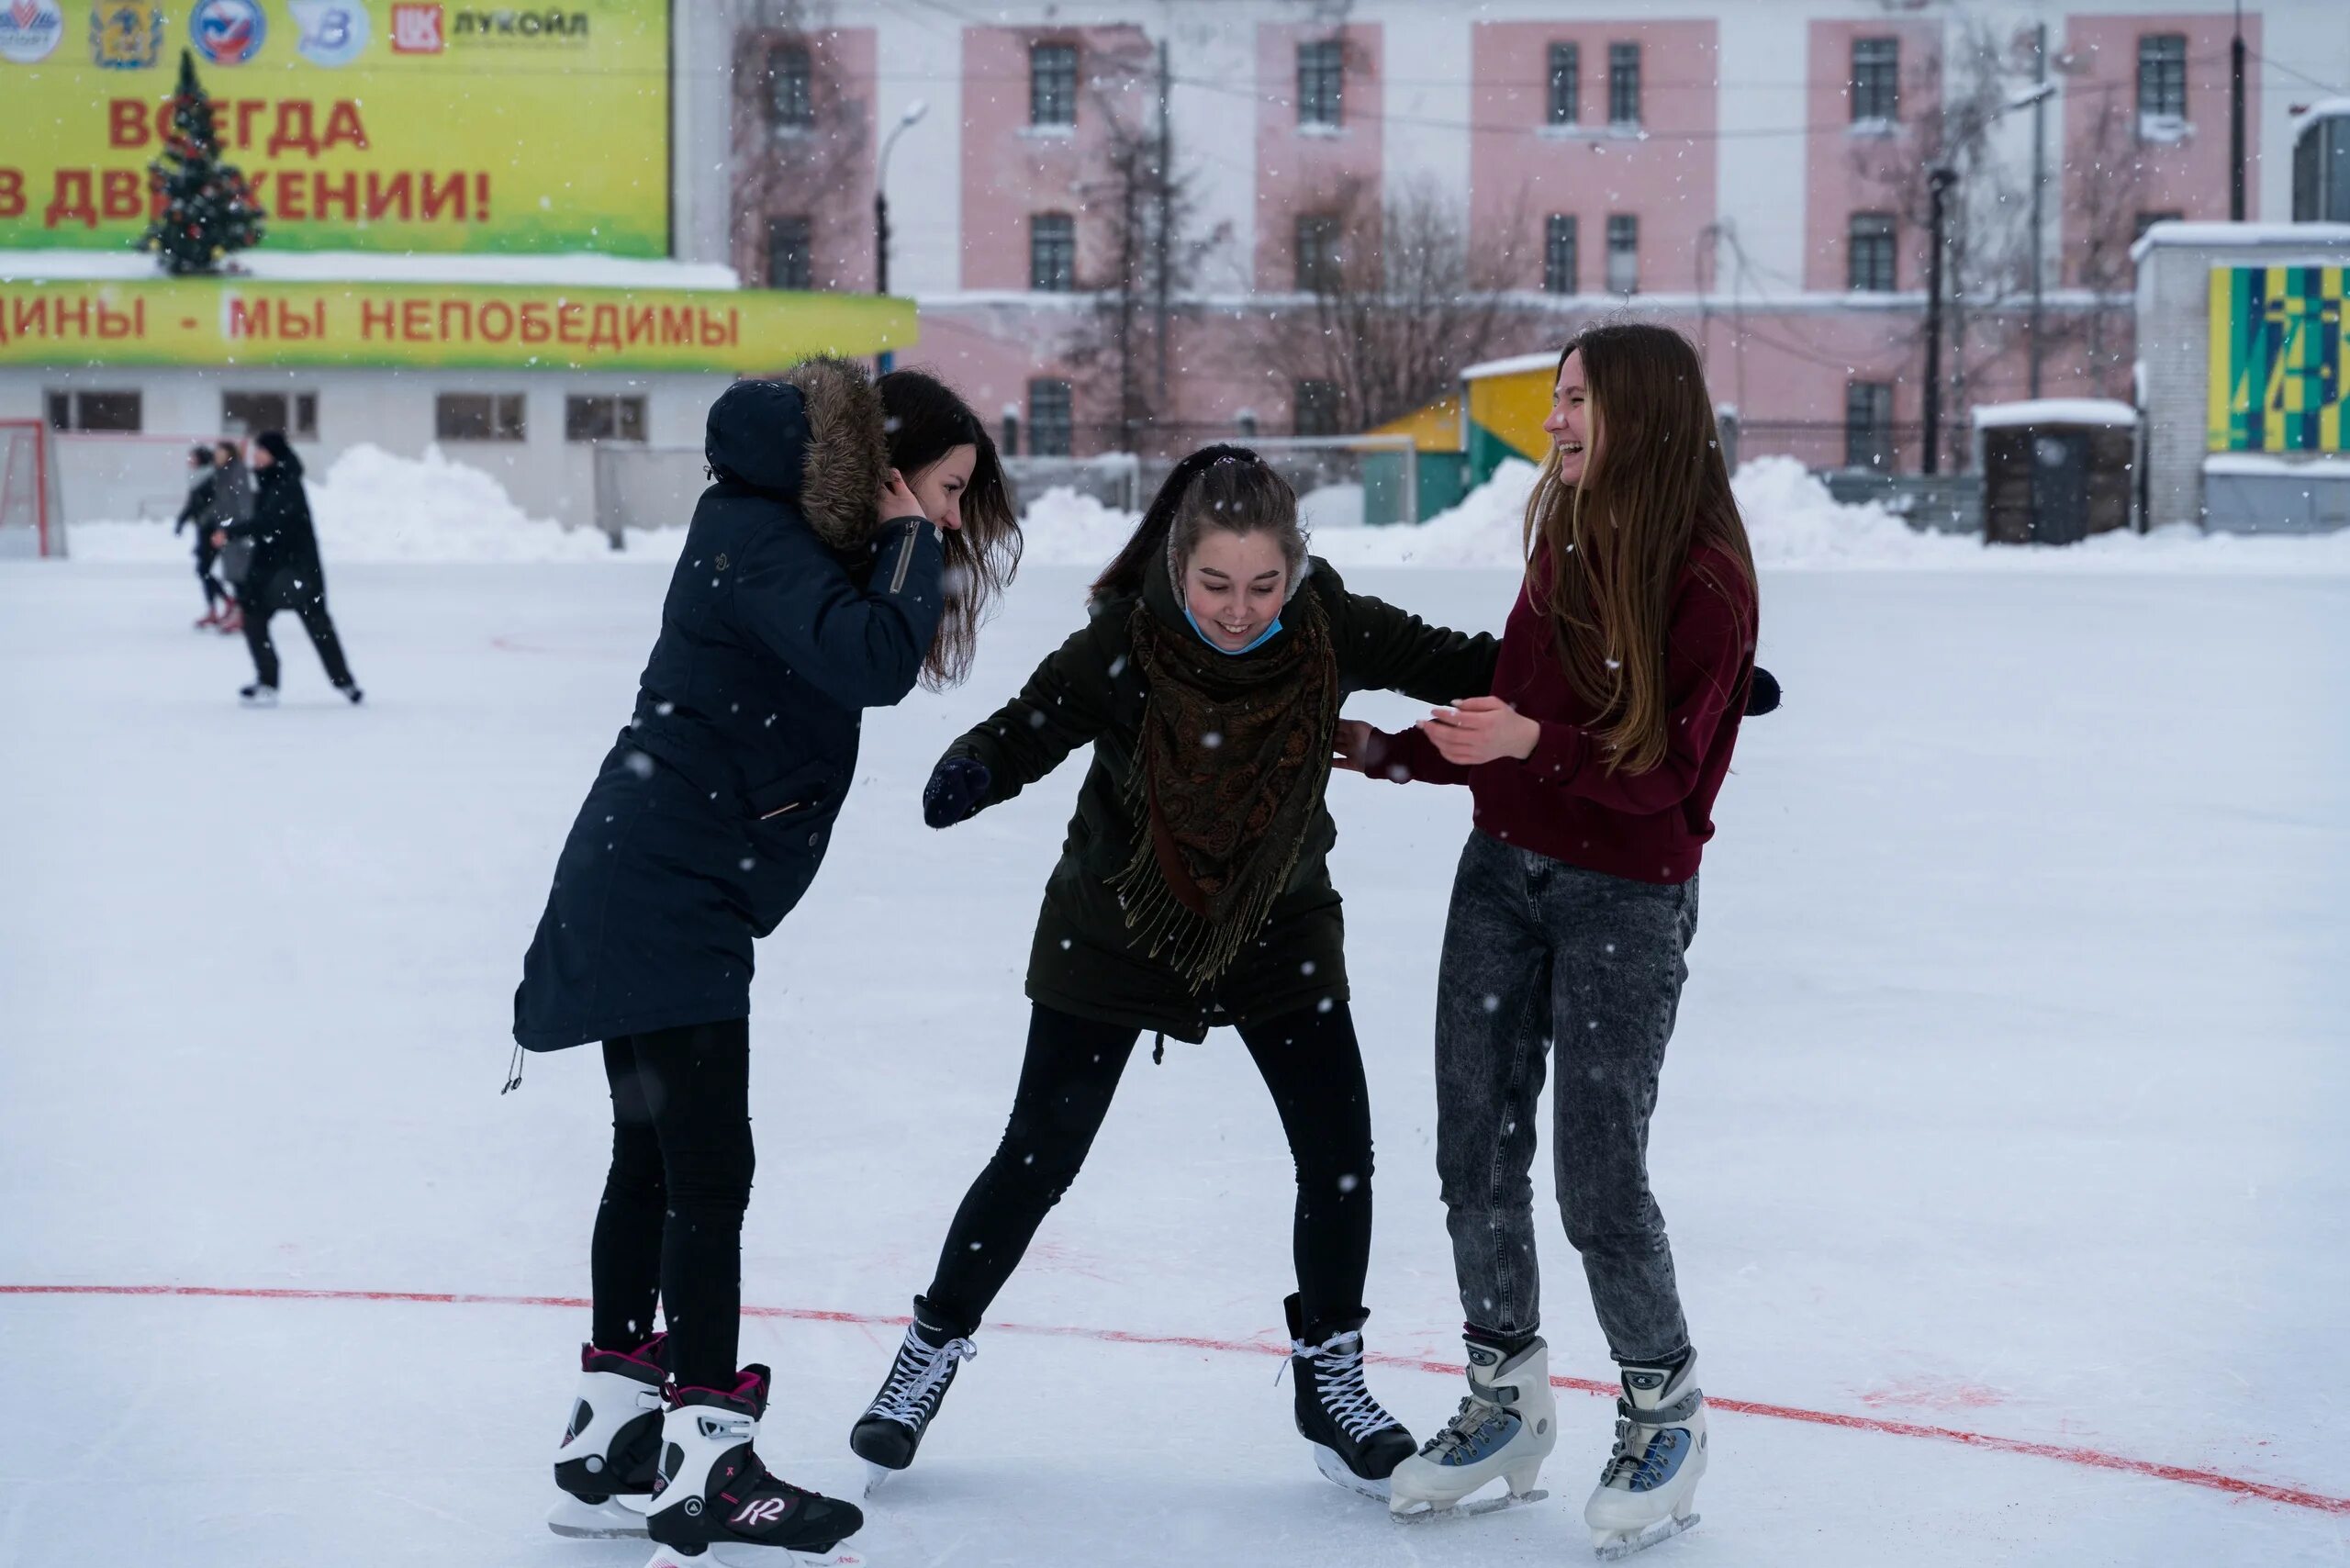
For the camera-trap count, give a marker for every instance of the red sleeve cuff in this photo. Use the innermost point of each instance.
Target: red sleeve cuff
(1409, 756)
(1558, 756)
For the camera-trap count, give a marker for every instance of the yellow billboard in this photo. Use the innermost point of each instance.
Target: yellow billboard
(2279, 359)
(362, 125)
(221, 321)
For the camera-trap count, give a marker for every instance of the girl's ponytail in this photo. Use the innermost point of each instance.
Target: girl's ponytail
(1122, 577)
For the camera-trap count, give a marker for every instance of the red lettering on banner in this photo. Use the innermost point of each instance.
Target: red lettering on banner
(438, 198)
(505, 327)
(12, 193)
(295, 130)
(375, 317)
(127, 123)
(342, 193)
(70, 198)
(122, 194)
(344, 127)
(389, 198)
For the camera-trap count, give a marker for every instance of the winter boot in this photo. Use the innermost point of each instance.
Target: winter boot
(713, 1491)
(891, 1428)
(611, 1448)
(1649, 1490)
(1356, 1443)
(257, 696)
(1507, 1427)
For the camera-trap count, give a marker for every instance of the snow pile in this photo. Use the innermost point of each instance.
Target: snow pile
(1063, 527)
(372, 507)
(1792, 521)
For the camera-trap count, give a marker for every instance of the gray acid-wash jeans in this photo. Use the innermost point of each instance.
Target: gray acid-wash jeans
(1541, 956)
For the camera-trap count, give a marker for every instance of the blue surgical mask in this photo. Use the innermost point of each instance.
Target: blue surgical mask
(1267, 636)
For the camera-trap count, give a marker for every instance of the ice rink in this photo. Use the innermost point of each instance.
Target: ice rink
(2003, 1140)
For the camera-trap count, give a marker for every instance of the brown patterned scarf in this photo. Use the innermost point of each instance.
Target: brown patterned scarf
(1231, 764)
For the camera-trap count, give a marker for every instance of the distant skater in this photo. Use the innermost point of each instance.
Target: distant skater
(284, 572)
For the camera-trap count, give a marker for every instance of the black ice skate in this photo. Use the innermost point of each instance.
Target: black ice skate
(891, 1428)
(712, 1490)
(1356, 1443)
(257, 696)
(611, 1444)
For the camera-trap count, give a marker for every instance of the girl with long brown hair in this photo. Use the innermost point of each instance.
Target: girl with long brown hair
(1625, 668)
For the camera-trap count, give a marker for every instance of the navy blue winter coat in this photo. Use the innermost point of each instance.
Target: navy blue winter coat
(793, 609)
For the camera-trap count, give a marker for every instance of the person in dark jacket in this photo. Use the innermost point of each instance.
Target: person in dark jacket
(196, 510)
(1194, 890)
(229, 501)
(796, 603)
(284, 572)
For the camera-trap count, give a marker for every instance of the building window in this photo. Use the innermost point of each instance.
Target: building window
(1050, 427)
(1623, 254)
(1052, 84)
(1317, 254)
(1321, 81)
(1868, 424)
(1566, 84)
(791, 98)
(1559, 254)
(790, 264)
(598, 418)
(477, 415)
(2148, 220)
(1623, 84)
(1870, 249)
(1316, 408)
(1052, 252)
(95, 411)
(2162, 77)
(250, 413)
(1876, 79)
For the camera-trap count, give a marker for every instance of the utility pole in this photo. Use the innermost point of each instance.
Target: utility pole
(1938, 184)
(2039, 189)
(1163, 239)
(914, 111)
(2235, 120)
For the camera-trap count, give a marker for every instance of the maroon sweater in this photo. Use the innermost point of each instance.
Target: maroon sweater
(1562, 800)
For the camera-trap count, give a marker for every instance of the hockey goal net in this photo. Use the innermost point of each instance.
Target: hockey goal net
(31, 519)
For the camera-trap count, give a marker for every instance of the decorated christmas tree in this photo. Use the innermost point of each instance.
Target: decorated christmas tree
(208, 209)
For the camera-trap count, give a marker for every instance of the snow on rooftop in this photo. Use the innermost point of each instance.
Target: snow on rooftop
(2321, 236)
(2296, 466)
(1517, 364)
(2053, 411)
(581, 271)
(2325, 108)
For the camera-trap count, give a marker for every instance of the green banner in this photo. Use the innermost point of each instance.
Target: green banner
(2281, 359)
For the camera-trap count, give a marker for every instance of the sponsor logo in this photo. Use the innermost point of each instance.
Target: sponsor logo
(759, 1512)
(227, 32)
(417, 29)
(509, 26)
(126, 35)
(334, 32)
(29, 30)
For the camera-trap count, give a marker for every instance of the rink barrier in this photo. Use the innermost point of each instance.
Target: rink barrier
(2093, 1459)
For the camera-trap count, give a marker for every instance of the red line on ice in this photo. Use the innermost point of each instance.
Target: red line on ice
(2094, 1458)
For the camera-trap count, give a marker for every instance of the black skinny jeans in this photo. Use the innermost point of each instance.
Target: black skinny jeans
(671, 1223)
(315, 620)
(1311, 1063)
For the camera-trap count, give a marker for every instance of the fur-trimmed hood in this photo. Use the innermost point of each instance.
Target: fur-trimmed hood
(813, 436)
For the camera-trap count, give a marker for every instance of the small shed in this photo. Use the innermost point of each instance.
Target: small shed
(2055, 470)
(1440, 468)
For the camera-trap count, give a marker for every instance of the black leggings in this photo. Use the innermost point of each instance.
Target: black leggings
(671, 1224)
(1308, 1059)
(315, 620)
(206, 557)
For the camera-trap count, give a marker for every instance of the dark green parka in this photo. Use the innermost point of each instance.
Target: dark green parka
(1084, 960)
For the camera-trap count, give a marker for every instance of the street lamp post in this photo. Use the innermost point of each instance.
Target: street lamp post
(914, 111)
(1938, 184)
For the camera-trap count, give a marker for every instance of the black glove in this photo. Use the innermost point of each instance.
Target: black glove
(955, 788)
(1762, 696)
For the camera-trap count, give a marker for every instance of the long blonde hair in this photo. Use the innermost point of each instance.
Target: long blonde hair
(1605, 552)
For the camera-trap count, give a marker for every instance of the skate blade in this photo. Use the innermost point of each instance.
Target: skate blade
(877, 1476)
(1613, 1548)
(607, 1520)
(1327, 1461)
(1422, 1512)
(731, 1554)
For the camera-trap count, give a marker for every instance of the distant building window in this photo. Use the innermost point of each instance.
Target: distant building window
(1317, 408)
(1052, 252)
(1623, 84)
(1623, 254)
(789, 260)
(250, 413)
(2148, 220)
(1566, 84)
(96, 410)
(1876, 79)
(1321, 81)
(1868, 424)
(1052, 84)
(1318, 259)
(618, 417)
(1870, 249)
(1050, 427)
(1559, 254)
(791, 98)
(477, 415)
(2162, 77)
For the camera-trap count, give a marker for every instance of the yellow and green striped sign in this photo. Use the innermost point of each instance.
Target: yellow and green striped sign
(2281, 359)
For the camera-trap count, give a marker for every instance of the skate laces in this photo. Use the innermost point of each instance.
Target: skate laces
(1337, 1381)
(910, 1395)
(1467, 1430)
(1638, 1471)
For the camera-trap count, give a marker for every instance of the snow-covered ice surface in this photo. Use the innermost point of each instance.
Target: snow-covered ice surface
(2007, 1099)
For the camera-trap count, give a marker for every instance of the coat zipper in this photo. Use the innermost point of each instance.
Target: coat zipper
(905, 560)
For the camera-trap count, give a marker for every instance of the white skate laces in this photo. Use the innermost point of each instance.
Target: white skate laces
(1337, 1383)
(910, 1397)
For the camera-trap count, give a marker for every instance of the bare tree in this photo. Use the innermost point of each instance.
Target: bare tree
(799, 143)
(1395, 307)
(2103, 197)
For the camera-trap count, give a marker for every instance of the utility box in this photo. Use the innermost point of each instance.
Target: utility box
(2055, 470)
